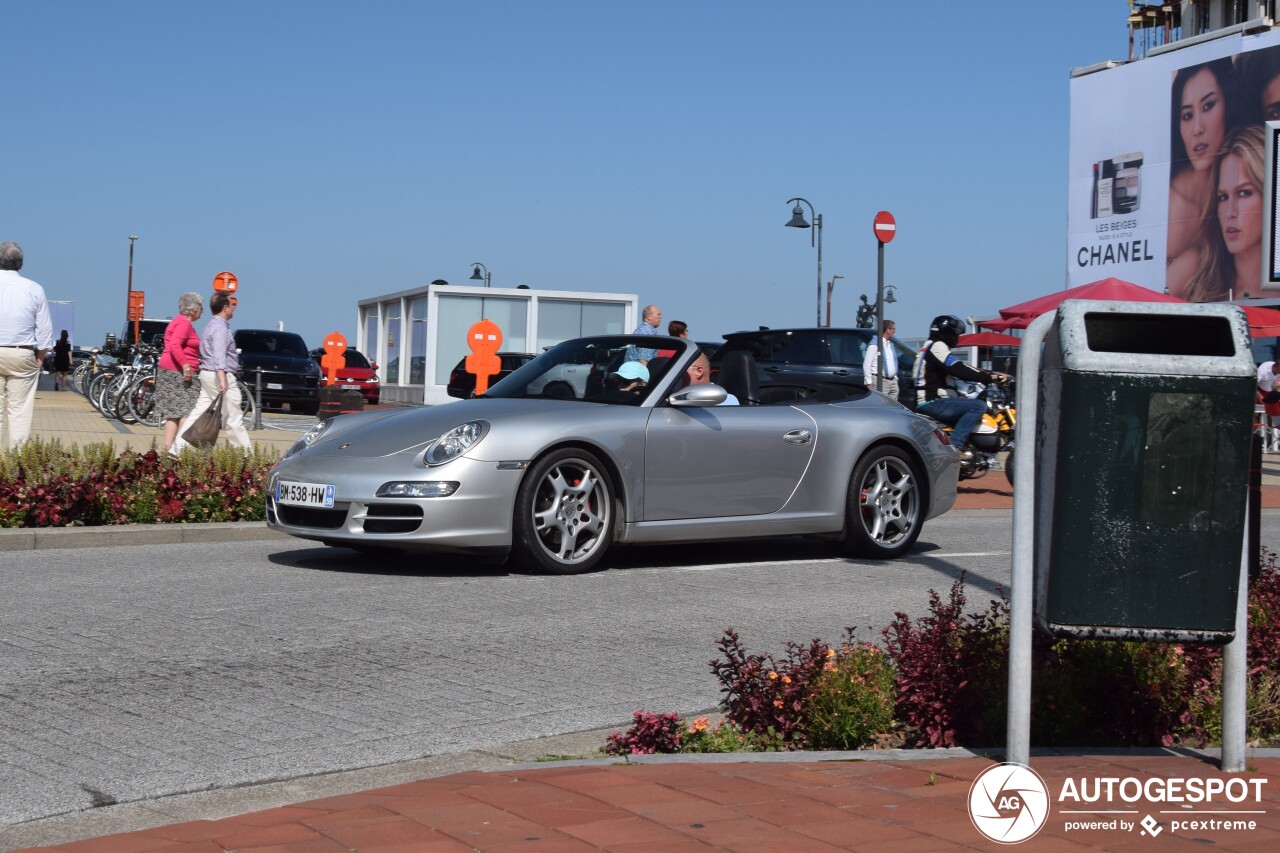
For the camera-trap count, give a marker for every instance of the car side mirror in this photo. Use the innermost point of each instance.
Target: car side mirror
(699, 395)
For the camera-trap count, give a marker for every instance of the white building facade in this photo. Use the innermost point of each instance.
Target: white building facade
(416, 337)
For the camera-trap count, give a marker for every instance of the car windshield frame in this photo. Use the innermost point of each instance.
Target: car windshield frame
(599, 369)
(245, 337)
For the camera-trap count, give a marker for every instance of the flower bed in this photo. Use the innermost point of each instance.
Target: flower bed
(43, 484)
(940, 681)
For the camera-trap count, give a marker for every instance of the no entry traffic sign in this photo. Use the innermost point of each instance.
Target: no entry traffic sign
(885, 226)
(225, 282)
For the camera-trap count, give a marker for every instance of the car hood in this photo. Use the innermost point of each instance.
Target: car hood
(411, 430)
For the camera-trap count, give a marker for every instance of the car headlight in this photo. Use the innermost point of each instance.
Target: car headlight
(417, 489)
(308, 438)
(456, 442)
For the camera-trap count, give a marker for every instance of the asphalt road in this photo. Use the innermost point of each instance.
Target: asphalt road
(134, 673)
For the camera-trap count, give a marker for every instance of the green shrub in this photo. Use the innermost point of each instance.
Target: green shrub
(852, 700)
(43, 484)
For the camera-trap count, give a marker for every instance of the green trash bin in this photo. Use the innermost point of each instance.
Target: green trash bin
(1145, 422)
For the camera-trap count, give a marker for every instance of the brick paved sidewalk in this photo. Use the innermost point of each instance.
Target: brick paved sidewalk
(773, 804)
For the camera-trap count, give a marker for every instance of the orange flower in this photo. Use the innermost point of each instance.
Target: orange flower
(786, 679)
(773, 676)
(700, 724)
(831, 653)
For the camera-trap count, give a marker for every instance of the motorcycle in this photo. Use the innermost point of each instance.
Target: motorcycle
(994, 435)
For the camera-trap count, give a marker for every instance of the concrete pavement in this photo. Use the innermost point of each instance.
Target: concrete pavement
(504, 798)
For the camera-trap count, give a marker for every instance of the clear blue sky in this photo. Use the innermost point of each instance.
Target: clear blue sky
(327, 151)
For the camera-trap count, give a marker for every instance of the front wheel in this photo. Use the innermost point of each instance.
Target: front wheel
(564, 514)
(1008, 468)
(884, 508)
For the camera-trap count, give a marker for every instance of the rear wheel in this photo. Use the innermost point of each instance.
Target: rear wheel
(564, 513)
(141, 400)
(1008, 468)
(884, 509)
(248, 407)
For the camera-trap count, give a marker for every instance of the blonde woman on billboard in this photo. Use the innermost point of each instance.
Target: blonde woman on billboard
(1231, 260)
(1204, 111)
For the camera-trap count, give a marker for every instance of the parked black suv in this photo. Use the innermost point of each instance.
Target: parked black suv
(829, 356)
(288, 373)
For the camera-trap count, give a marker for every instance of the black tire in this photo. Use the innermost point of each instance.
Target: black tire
(560, 390)
(884, 508)
(1008, 468)
(564, 514)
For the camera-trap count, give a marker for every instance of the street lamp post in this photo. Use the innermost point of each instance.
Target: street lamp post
(128, 300)
(798, 221)
(475, 274)
(830, 287)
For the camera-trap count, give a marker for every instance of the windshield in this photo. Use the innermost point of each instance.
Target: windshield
(596, 370)
(273, 343)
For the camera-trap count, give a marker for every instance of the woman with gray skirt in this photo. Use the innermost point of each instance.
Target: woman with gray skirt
(176, 385)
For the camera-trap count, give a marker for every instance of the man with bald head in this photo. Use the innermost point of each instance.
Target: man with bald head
(699, 373)
(649, 321)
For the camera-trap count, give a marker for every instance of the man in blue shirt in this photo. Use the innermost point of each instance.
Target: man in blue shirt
(650, 319)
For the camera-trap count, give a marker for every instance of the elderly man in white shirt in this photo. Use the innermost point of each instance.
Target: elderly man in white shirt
(872, 362)
(26, 334)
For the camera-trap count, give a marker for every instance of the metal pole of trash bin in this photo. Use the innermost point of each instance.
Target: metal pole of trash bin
(1018, 718)
(257, 398)
(1234, 674)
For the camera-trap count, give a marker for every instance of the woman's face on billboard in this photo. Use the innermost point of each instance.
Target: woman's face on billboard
(1271, 100)
(1239, 206)
(1203, 118)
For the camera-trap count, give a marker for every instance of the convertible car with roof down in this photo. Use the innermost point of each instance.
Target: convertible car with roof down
(553, 473)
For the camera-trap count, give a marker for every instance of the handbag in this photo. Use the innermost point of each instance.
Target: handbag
(203, 431)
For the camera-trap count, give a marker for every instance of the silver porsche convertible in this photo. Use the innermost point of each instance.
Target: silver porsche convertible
(605, 440)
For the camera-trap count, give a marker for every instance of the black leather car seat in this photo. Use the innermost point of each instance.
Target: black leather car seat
(738, 377)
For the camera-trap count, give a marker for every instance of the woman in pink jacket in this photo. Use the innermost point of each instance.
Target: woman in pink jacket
(176, 385)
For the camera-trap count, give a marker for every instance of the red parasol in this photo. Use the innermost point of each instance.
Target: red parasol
(990, 339)
(1263, 322)
(1111, 289)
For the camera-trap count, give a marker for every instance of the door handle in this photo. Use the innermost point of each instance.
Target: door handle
(798, 437)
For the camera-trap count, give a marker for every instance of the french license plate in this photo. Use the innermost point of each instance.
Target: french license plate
(352, 387)
(305, 494)
(274, 386)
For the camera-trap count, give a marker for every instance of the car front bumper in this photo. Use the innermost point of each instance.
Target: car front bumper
(476, 517)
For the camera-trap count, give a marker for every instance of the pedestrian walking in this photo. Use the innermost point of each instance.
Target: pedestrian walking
(177, 388)
(26, 334)
(61, 361)
(218, 363)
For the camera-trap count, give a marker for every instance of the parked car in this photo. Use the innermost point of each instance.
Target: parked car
(555, 481)
(710, 347)
(830, 356)
(288, 373)
(78, 357)
(463, 384)
(359, 374)
(150, 332)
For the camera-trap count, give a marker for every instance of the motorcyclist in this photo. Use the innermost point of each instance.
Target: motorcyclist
(934, 370)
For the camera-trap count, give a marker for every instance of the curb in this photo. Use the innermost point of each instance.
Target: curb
(109, 536)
